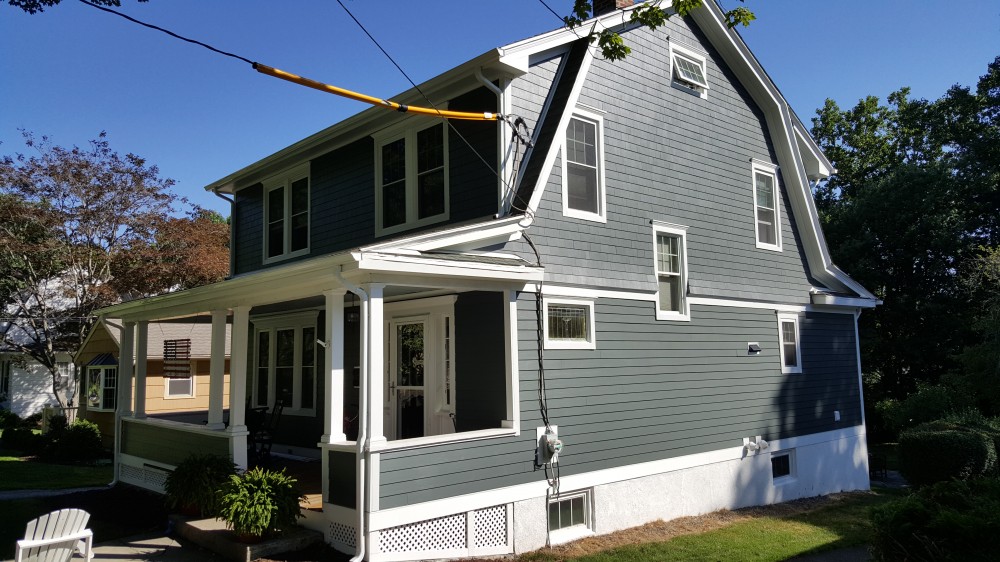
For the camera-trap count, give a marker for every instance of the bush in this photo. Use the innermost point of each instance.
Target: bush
(931, 453)
(23, 439)
(928, 403)
(34, 421)
(8, 419)
(946, 521)
(259, 501)
(79, 442)
(194, 485)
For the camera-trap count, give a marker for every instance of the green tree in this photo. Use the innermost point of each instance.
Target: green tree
(68, 219)
(910, 212)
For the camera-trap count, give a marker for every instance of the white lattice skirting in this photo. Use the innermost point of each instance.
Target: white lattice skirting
(482, 532)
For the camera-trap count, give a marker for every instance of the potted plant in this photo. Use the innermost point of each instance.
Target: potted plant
(259, 502)
(192, 488)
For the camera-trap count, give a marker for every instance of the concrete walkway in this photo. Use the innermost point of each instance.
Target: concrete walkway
(152, 547)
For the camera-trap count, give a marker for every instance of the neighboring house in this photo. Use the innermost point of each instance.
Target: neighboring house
(700, 350)
(177, 371)
(26, 384)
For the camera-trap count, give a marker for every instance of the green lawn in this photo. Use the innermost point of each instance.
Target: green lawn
(840, 525)
(21, 474)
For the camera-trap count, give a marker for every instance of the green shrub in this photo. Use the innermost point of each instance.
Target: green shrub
(79, 442)
(23, 439)
(928, 455)
(928, 403)
(8, 419)
(194, 485)
(34, 421)
(259, 501)
(946, 521)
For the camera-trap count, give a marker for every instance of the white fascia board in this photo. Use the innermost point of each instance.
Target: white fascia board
(356, 126)
(819, 167)
(834, 300)
(779, 119)
(391, 263)
(488, 233)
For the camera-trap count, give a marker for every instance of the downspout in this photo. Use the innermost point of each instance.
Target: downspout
(502, 140)
(364, 415)
(232, 224)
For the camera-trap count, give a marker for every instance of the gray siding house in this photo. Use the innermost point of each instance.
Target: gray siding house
(611, 306)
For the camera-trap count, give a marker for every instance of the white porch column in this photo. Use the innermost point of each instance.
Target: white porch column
(141, 343)
(333, 421)
(125, 369)
(510, 347)
(376, 363)
(238, 384)
(217, 371)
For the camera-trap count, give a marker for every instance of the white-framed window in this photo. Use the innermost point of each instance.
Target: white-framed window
(783, 466)
(178, 369)
(583, 187)
(570, 516)
(411, 176)
(790, 344)
(766, 211)
(65, 369)
(688, 70)
(285, 362)
(286, 214)
(670, 263)
(569, 324)
(102, 387)
(5, 368)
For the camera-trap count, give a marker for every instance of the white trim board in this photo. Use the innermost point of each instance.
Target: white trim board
(393, 517)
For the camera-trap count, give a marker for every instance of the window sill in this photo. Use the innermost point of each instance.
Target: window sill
(288, 256)
(672, 316)
(791, 370)
(584, 215)
(570, 344)
(771, 247)
(677, 85)
(569, 534)
(420, 442)
(406, 226)
(783, 480)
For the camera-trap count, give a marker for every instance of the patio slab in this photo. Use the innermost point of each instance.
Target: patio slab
(213, 535)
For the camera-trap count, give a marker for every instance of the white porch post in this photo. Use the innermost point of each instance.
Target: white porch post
(141, 342)
(217, 371)
(333, 422)
(238, 384)
(376, 363)
(510, 346)
(125, 369)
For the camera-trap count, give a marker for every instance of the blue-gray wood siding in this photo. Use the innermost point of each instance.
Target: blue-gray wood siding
(342, 190)
(651, 390)
(670, 156)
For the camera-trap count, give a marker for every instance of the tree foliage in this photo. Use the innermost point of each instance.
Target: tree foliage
(36, 6)
(911, 213)
(73, 218)
(650, 14)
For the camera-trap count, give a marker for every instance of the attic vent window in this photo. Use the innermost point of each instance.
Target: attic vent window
(689, 70)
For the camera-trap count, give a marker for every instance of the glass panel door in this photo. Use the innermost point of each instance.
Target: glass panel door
(407, 390)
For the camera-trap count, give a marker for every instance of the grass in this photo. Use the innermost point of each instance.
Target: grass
(22, 473)
(771, 533)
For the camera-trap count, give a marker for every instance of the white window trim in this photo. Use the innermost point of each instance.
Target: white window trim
(794, 318)
(789, 478)
(194, 384)
(273, 323)
(408, 130)
(700, 90)
(285, 180)
(589, 343)
(761, 167)
(574, 532)
(102, 369)
(684, 315)
(602, 215)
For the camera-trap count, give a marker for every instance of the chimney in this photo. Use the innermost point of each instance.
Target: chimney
(602, 7)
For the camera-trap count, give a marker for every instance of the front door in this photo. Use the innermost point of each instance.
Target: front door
(407, 381)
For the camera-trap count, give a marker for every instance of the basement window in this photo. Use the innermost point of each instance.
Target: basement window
(782, 466)
(570, 517)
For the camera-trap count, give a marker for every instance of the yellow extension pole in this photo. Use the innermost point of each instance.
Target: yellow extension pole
(270, 71)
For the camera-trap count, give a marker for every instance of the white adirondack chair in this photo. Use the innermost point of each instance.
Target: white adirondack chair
(54, 537)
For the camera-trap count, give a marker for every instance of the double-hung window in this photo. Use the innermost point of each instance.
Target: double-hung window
(411, 177)
(689, 70)
(285, 362)
(791, 349)
(583, 168)
(767, 218)
(670, 256)
(286, 214)
(102, 387)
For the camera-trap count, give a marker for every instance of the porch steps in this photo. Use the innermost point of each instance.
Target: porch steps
(213, 535)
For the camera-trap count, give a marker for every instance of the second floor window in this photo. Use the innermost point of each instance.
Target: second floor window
(765, 206)
(583, 175)
(286, 214)
(412, 178)
(671, 271)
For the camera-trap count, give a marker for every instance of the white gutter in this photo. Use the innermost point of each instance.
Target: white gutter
(364, 415)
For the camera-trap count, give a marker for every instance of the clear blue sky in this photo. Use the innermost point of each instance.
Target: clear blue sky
(74, 71)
